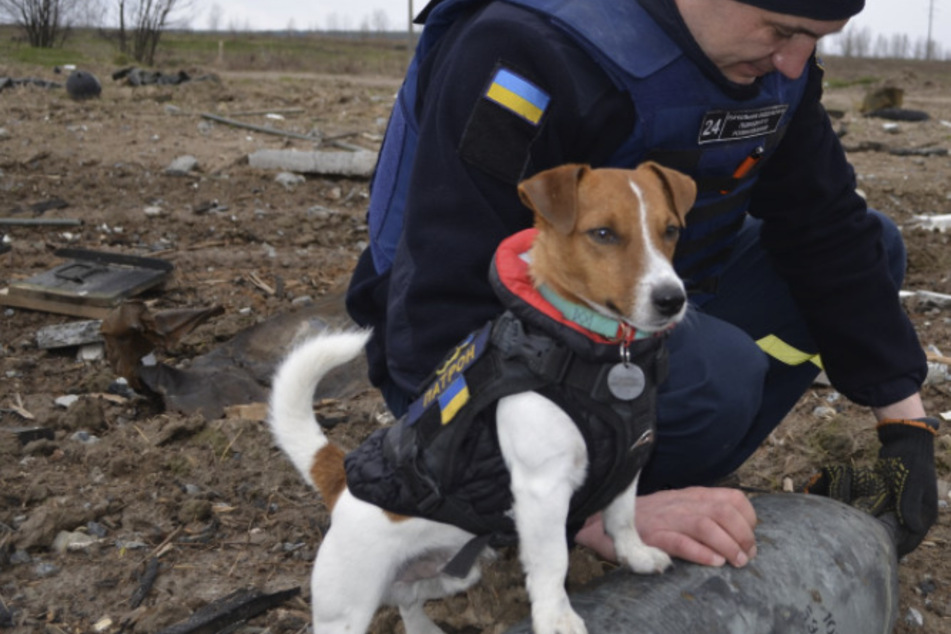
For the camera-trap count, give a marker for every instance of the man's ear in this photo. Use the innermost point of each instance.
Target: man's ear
(553, 195)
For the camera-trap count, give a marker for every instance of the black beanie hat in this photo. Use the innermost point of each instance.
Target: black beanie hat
(812, 9)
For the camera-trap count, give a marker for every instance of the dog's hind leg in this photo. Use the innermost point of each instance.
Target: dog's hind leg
(416, 621)
(345, 589)
(547, 460)
(355, 567)
(410, 596)
(631, 550)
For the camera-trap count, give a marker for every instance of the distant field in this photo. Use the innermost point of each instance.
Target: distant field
(353, 54)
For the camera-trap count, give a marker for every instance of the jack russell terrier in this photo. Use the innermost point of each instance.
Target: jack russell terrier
(533, 423)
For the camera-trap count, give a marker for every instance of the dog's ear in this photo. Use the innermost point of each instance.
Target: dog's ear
(553, 195)
(681, 190)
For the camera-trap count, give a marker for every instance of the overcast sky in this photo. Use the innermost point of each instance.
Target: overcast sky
(881, 17)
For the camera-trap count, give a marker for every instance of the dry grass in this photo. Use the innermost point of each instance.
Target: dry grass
(351, 54)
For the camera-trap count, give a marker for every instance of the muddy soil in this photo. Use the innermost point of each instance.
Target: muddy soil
(208, 500)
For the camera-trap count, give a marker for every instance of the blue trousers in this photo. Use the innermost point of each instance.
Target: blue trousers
(725, 394)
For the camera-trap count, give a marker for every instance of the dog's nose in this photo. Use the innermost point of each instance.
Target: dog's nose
(668, 299)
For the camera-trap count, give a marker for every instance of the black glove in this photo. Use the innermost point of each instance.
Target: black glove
(902, 480)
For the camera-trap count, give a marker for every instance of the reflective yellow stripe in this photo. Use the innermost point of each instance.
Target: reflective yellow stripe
(782, 351)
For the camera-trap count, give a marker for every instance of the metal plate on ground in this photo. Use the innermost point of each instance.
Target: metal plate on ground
(89, 284)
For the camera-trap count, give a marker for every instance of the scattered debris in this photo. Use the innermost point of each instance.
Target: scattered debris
(10, 82)
(938, 222)
(924, 151)
(209, 205)
(76, 333)
(928, 299)
(899, 114)
(269, 112)
(914, 618)
(238, 606)
(18, 408)
(251, 411)
(258, 128)
(65, 401)
(6, 615)
(877, 146)
(289, 180)
(145, 582)
(131, 332)
(318, 162)
(28, 434)
(41, 222)
(40, 208)
(236, 373)
(135, 76)
(83, 85)
(886, 103)
(66, 541)
(89, 285)
(182, 166)
(877, 98)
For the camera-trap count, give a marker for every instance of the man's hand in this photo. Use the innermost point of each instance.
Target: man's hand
(902, 480)
(708, 526)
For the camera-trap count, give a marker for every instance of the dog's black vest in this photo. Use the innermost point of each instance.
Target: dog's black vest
(442, 460)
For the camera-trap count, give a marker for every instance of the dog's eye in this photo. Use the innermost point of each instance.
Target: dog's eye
(603, 235)
(672, 232)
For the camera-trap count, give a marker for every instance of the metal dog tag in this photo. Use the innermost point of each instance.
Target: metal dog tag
(626, 381)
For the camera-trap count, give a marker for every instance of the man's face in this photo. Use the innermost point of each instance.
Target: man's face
(746, 42)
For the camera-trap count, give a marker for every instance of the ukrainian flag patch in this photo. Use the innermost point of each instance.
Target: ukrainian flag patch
(515, 93)
(452, 399)
(448, 389)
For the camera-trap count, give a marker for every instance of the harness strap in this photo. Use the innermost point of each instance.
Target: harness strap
(462, 562)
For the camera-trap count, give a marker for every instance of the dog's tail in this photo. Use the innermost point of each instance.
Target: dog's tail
(291, 416)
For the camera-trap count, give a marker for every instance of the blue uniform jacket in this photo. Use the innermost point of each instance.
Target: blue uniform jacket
(460, 198)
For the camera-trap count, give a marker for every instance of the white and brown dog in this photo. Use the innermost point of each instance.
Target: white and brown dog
(605, 239)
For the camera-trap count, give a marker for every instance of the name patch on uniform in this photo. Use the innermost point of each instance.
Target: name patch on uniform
(449, 389)
(515, 93)
(731, 125)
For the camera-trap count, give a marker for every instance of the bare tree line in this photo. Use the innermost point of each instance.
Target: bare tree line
(138, 25)
(377, 22)
(861, 42)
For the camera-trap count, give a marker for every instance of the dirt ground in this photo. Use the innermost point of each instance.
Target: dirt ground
(210, 502)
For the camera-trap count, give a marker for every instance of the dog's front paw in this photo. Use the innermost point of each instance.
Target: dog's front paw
(564, 621)
(643, 559)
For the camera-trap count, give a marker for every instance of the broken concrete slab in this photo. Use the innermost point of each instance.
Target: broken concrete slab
(359, 164)
(76, 333)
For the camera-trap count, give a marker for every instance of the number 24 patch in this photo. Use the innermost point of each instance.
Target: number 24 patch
(731, 125)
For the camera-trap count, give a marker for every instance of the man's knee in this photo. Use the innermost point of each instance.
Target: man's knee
(708, 404)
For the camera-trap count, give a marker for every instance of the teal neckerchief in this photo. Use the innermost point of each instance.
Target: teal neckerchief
(607, 327)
